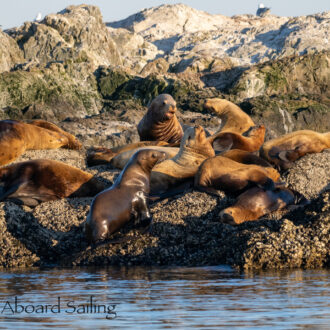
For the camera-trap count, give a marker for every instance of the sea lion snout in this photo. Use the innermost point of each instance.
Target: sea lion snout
(227, 217)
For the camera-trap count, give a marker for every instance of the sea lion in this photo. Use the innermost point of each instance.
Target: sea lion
(120, 160)
(127, 198)
(42, 180)
(160, 122)
(245, 157)
(233, 119)
(251, 140)
(99, 156)
(283, 151)
(256, 202)
(194, 149)
(225, 174)
(73, 142)
(16, 137)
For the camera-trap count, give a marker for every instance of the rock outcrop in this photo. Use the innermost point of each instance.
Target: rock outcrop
(10, 54)
(191, 36)
(76, 33)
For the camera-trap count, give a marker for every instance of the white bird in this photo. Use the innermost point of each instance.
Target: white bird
(38, 17)
(262, 10)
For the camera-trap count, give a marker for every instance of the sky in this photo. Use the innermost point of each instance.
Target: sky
(16, 12)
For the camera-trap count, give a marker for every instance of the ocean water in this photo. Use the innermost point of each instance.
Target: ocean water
(164, 298)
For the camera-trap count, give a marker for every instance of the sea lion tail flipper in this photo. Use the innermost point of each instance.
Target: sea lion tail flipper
(100, 156)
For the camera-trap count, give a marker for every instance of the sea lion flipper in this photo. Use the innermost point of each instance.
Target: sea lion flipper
(283, 155)
(269, 184)
(222, 145)
(11, 190)
(210, 190)
(28, 201)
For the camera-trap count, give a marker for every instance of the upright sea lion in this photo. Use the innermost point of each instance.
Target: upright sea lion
(256, 202)
(99, 156)
(233, 119)
(127, 198)
(286, 149)
(225, 174)
(16, 137)
(160, 122)
(251, 140)
(194, 149)
(42, 180)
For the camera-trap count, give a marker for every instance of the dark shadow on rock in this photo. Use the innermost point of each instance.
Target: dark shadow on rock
(49, 245)
(223, 80)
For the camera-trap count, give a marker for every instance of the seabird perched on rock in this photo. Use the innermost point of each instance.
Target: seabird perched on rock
(38, 17)
(262, 10)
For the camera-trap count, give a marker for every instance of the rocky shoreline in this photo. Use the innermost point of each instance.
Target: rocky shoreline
(95, 80)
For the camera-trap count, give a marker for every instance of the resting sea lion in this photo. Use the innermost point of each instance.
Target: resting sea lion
(245, 157)
(256, 202)
(73, 142)
(42, 180)
(233, 119)
(127, 198)
(194, 149)
(100, 156)
(286, 149)
(160, 122)
(251, 140)
(16, 137)
(225, 174)
(120, 160)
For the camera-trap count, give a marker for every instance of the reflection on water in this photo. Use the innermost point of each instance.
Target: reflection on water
(141, 297)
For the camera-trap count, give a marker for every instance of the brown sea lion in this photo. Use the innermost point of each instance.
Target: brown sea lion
(126, 199)
(16, 137)
(286, 149)
(120, 160)
(99, 156)
(256, 202)
(233, 119)
(225, 174)
(42, 180)
(245, 157)
(251, 140)
(160, 122)
(73, 142)
(194, 149)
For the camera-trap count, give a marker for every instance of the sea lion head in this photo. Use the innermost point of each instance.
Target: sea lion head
(253, 131)
(73, 142)
(215, 104)
(163, 107)
(231, 216)
(148, 158)
(195, 139)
